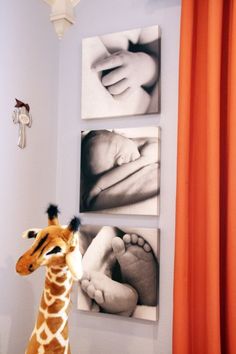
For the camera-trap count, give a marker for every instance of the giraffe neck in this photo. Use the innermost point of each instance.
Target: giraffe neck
(51, 329)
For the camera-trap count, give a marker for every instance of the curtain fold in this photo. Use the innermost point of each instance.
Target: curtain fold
(205, 254)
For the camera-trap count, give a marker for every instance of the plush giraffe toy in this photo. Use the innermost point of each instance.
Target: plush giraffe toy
(56, 247)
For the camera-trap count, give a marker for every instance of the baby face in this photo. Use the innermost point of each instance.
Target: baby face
(126, 150)
(111, 150)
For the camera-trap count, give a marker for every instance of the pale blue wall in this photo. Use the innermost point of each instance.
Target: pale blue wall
(48, 170)
(28, 71)
(103, 334)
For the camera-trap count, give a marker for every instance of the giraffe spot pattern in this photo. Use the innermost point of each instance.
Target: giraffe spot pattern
(48, 297)
(65, 333)
(61, 279)
(56, 307)
(43, 303)
(54, 323)
(54, 347)
(40, 320)
(55, 270)
(43, 335)
(49, 275)
(33, 345)
(54, 288)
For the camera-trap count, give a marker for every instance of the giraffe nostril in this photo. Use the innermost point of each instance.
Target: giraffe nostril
(30, 268)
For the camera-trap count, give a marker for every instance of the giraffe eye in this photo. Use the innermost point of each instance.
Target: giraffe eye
(56, 249)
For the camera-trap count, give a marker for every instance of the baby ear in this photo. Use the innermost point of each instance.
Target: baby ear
(31, 233)
(120, 160)
(119, 132)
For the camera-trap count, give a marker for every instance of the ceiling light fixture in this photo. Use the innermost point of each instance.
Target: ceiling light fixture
(62, 14)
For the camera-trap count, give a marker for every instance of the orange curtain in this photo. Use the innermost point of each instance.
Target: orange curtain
(205, 257)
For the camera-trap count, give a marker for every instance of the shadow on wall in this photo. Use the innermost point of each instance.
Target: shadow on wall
(16, 307)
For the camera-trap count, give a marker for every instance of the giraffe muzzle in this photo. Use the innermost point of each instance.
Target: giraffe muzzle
(24, 268)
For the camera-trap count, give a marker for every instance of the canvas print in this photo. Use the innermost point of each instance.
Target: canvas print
(120, 171)
(121, 271)
(121, 74)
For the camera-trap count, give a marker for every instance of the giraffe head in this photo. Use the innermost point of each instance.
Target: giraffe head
(52, 246)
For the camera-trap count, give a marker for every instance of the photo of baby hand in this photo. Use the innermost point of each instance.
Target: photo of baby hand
(121, 74)
(126, 71)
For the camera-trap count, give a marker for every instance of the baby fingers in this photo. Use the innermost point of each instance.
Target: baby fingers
(114, 76)
(108, 63)
(118, 87)
(124, 96)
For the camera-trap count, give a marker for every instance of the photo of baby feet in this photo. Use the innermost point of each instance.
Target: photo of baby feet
(135, 254)
(138, 266)
(110, 295)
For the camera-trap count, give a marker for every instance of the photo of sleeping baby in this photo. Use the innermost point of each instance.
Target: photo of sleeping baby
(120, 271)
(121, 73)
(120, 171)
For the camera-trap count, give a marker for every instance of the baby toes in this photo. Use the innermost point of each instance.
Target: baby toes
(88, 285)
(98, 297)
(84, 284)
(127, 238)
(141, 242)
(147, 247)
(134, 239)
(91, 291)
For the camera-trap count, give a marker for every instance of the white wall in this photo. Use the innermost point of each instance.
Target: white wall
(103, 334)
(29, 71)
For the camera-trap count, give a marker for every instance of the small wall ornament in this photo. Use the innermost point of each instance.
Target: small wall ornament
(22, 116)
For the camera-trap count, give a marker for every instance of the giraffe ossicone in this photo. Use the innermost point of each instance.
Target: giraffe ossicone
(57, 248)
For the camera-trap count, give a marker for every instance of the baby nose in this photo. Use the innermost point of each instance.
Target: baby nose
(120, 161)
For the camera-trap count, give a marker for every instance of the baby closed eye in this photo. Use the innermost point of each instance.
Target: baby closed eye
(126, 158)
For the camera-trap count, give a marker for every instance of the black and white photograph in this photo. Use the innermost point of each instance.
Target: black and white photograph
(120, 171)
(121, 271)
(121, 73)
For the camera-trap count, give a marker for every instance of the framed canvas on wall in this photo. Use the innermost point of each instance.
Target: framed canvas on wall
(121, 271)
(121, 74)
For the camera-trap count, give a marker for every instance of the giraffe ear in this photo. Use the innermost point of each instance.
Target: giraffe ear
(52, 212)
(31, 233)
(74, 262)
(74, 257)
(73, 241)
(71, 229)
